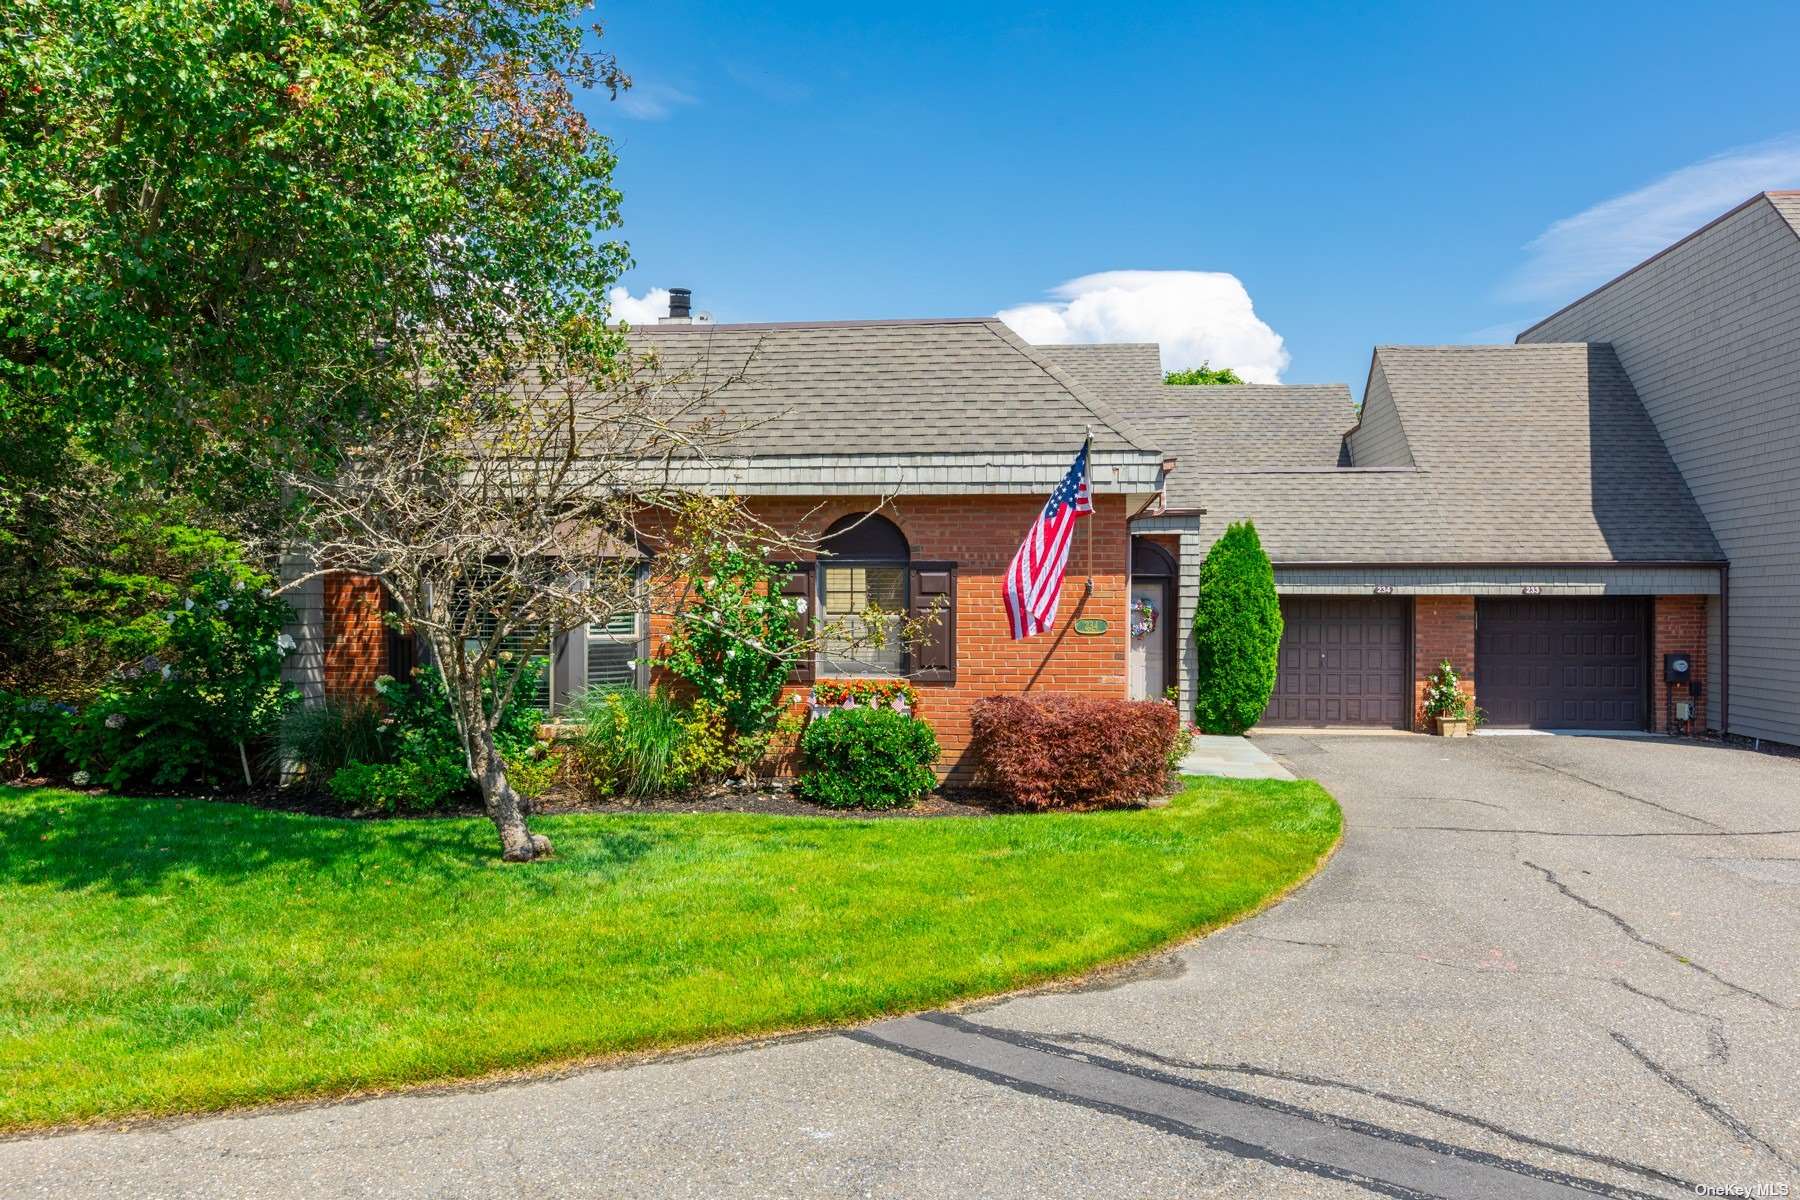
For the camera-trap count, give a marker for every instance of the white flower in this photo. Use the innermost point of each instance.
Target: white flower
(115, 720)
(79, 779)
(265, 593)
(223, 606)
(168, 618)
(631, 664)
(167, 671)
(286, 642)
(188, 604)
(796, 698)
(799, 604)
(238, 586)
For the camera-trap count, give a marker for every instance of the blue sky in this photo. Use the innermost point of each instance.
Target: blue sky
(1415, 174)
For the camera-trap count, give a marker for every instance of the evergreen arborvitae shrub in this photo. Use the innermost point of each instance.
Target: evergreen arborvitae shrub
(1237, 633)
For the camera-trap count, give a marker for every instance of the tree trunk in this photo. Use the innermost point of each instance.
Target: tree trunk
(504, 806)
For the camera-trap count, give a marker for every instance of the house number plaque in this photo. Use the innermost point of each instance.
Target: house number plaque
(1090, 625)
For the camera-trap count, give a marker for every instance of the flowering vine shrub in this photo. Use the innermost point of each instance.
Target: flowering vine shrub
(734, 641)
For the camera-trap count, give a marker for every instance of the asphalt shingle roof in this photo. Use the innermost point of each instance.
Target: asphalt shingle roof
(1238, 426)
(1115, 371)
(887, 387)
(1525, 453)
(1788, 205)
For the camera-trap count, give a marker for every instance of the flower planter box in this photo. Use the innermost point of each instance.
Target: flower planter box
(1452, 726)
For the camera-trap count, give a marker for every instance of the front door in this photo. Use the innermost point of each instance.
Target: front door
(1149, 640)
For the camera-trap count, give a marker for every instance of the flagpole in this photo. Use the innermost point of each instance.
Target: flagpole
(1087, 454)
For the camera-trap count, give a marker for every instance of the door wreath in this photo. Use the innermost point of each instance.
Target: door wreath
(1143, 618)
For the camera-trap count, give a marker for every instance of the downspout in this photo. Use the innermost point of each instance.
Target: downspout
(1725, 652)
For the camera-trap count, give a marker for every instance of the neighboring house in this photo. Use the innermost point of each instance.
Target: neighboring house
(1524, 510)
(1709, 332)
(1509, 508)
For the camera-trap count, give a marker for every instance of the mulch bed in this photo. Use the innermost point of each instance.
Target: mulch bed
(770, 802)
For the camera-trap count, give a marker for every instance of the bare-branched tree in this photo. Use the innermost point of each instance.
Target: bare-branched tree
(527, 506)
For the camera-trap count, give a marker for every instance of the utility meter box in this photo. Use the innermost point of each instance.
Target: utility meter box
(1678, 668)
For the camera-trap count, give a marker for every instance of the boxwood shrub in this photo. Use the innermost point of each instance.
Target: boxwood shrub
(867, 758)
(1057, 751)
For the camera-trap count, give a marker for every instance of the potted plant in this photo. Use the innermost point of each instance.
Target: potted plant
(1445, 703)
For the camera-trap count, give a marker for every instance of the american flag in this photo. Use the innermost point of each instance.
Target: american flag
(1034, 581)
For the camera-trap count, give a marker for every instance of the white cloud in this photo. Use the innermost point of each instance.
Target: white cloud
(1582, 251)
(1195, 316)
(653, 101)
(623, 306)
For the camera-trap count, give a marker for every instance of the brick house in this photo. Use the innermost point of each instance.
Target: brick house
(1515, 509)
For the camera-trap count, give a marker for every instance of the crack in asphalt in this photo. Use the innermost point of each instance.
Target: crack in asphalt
(1718, 1047)
(1212, 1141)
(1483, 967)
(1612, 791)
(1354, 1125)
(1257, 1072)
(1455, 800)
(1631, 932)
(1706, 1104)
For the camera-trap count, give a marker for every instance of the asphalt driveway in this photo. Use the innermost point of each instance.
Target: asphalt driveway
(1538, 967)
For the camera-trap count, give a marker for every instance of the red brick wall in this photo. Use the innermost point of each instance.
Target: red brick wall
(980, 534)
(1443, 627)
(1677, 623)
(355, 638)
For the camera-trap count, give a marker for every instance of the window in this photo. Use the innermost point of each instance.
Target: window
(868, 645)
(864, 592)
(612, 652)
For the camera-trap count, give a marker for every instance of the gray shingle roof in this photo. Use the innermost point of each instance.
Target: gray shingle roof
(1534, 453)
(1218, 426)
(887, 387)
(1788, 205)
(1116, 371)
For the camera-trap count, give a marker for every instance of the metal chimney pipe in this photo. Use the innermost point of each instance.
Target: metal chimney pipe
(681, 304)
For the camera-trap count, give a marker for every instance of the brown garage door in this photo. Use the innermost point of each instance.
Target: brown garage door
(1561, 663)
(1343, 662)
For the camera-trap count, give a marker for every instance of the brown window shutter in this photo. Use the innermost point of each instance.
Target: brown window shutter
(800, 586)
(934, 600)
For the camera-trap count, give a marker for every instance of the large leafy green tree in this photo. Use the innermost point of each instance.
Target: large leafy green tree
(231, 228)
(236, 235)
(1237, 633)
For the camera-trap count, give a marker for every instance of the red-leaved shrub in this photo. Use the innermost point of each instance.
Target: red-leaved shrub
(1058, 751)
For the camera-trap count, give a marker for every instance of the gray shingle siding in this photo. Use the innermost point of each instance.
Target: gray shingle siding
(1379, 439)
(1710, 334)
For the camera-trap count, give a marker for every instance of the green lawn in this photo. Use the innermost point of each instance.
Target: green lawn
(162, 956)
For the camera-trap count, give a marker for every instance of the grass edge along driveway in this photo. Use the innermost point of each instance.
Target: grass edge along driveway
(175, 956)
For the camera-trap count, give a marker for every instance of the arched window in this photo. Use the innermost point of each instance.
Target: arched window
(864, 592)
